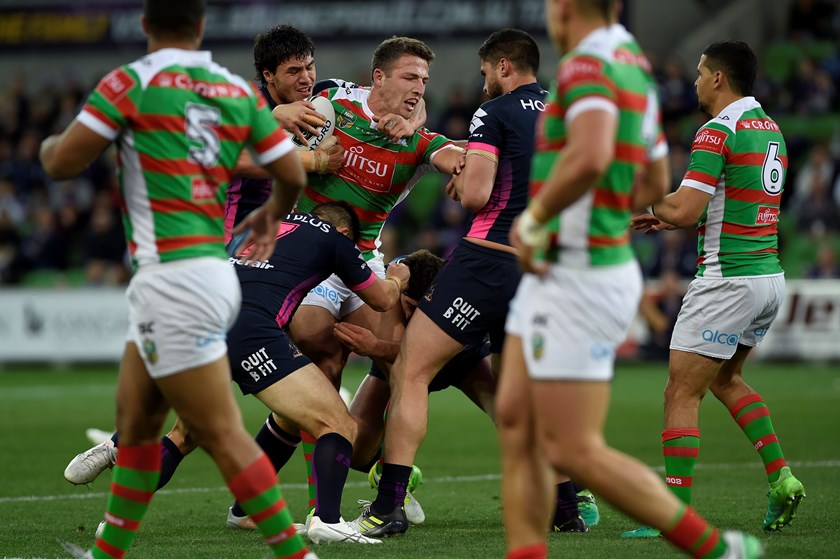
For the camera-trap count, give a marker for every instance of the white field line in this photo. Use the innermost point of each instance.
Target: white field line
(426, 481)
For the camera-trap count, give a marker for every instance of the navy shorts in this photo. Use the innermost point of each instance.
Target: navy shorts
(261, 353)
(469, 297)
(455, 370)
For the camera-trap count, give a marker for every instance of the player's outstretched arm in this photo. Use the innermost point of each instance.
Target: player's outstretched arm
(682, 208)
(381, 295)
(363, 342)
(65, 155)
(449, 160)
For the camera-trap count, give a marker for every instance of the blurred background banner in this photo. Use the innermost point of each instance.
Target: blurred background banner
(80, 325)
(103, 24)
(808, 324)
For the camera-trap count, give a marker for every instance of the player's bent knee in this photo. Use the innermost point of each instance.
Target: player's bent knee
(341, 423)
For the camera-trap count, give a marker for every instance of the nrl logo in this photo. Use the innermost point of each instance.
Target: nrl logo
(150, 349)
(345, 119)
(538, 346)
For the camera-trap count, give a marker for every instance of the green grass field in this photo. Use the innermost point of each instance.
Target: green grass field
(44, 414)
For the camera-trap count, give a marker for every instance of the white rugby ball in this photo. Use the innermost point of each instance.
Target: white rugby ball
(325, 107)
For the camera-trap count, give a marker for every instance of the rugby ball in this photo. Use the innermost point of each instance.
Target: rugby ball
(325, 107)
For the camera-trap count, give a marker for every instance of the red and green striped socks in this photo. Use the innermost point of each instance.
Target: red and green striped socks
(308, 442)
(680, 448)
(753, 417)
(256, 489)
(133, 484)
(694, 535)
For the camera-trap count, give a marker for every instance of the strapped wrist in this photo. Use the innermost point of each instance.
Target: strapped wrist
(531, 232)
(396, 281)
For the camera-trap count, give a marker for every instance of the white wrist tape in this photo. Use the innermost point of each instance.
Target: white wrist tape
(531, 232)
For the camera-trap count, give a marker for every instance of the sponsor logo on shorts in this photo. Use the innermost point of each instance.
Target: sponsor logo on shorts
(258, 364)
(204, 341)
(461, 312)
(601, 351)
(430, 293)
(760, 332)
(718, 337)
(327, 293)
(767, 215)
(294, 349)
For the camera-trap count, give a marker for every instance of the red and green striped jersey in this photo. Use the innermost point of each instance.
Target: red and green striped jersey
(179, 121)
(740, 159)
(606, 71)
(377, 173)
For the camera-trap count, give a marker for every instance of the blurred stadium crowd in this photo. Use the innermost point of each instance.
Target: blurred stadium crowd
(56, 233)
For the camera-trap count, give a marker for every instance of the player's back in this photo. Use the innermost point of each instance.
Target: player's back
(308, 250)
(504, 128)
(180, 121)
(606, 70)
(739, 157)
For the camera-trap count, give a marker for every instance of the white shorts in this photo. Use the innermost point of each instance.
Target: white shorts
(717, 314)
(336, 297)
(179, 313)
(572, 320)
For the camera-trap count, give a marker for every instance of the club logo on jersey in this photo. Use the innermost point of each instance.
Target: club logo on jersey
(709, 139)
(115, 85)
(369, 169)
(476, 121)
(345, 119)
(767, 215)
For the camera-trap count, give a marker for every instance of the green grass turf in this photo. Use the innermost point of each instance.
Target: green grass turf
(43, 415)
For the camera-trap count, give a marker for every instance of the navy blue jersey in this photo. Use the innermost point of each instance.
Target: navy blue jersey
(308, 251)
(245, 195)
(504, 127)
